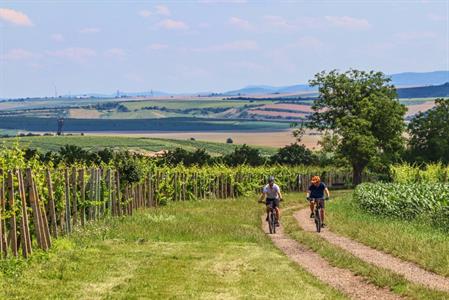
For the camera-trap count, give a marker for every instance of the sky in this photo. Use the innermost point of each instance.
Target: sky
(207, 45)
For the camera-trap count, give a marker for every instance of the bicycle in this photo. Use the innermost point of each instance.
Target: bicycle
(317, 213)
(272, 221)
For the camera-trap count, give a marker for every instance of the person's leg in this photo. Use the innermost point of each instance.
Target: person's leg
(268, 211)
(312, 207)
(322, 211)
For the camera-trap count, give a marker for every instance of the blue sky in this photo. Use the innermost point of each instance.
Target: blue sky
(207, 45)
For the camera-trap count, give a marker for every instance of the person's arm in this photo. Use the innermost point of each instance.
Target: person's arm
(279, 194)
(326, 190)
(262, 196)
(308, 193)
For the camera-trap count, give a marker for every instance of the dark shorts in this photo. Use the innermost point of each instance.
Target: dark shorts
(273, 202)
(321, 202)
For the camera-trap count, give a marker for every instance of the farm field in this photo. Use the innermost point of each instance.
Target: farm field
(200, 249)
(276, 139)
(139, 144)
(140, 125)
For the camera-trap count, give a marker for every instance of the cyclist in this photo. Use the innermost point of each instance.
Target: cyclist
(316, 191)
(272, 195)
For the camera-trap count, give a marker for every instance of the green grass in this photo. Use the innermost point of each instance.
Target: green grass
(140, 125)
(415, 241)
(54, 143)
(200, 250)
(343, 259)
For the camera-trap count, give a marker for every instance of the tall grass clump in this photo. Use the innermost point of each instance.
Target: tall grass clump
(406, 201)
(407, 173)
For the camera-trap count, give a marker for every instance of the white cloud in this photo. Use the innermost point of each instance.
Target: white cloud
(15, 17)
(243, 45)
(145, 13)
(279, 22)
(90, 30)
(162, 10)
(240, 23)
(115, 53)
(171, 24)
(416, 35)
(18, 54)
(57, 37)
(436, 17)
(348, 22)
(75, 54)
(157, 46)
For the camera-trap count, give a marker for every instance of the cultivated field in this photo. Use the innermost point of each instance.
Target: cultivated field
(274, 139)
(141, 144)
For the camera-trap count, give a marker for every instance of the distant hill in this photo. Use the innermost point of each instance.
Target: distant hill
(408, 79)
(420, 79)
(425, 91)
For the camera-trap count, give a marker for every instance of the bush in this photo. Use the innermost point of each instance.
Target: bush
(244, 155)
(293, 155)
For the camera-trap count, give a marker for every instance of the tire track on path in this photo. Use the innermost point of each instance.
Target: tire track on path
(410, 271)
(342, 279)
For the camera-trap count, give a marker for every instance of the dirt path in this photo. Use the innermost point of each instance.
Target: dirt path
(353, 286)
(409, 270)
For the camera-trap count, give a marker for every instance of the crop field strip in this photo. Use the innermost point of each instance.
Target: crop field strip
(142, 145)
(63, 198)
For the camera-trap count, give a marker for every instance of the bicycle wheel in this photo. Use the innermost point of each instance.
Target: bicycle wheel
(270, 223)
(273, 220)
(318, 220)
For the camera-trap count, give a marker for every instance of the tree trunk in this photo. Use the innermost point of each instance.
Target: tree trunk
(357, 171)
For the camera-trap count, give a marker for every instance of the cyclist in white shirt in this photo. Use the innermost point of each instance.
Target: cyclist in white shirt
(272, 195)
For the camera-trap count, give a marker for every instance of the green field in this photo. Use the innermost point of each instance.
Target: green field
(140, 125)
(54, 143)
(186, 250)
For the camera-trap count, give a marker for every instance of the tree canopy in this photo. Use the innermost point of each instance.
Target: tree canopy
(429, 134)
(363, 110)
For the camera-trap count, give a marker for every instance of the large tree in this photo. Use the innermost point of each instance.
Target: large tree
(363, 110)
(429, 134)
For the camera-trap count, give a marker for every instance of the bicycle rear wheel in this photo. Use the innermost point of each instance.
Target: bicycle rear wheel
(270, 223)
(318, 220)
(273, 221)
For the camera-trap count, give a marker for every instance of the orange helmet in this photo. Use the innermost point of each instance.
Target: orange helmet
(316, 179)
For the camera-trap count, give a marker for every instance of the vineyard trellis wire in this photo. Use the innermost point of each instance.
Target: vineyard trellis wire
(41, 202)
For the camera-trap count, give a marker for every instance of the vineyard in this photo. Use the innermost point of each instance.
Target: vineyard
(414, 193)
(40, 202)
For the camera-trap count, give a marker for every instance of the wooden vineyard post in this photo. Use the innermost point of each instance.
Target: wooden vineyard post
(13, 227)
(43, 217)
(91, 194)
(74, 198)
(83, 196)
(36, 216)
(51, 205)
(67, 201)
(119, 196)
(3, 245)
(24, 228)
(113, 190)
(97, 193)
(109, 186)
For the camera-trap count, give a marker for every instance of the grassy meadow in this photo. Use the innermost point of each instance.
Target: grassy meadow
(199, 249)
